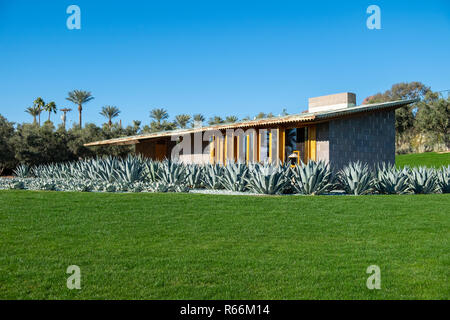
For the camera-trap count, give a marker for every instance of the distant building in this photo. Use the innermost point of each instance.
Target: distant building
(334, 130)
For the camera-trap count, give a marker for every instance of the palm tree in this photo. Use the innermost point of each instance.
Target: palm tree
(182, 120)
(159, 114)
(215, 120)
(63, 118)
(50, 107)
(33, 111)
(110, 112)
(197, 120)
(39, 104)
(79, 97)
(231, 119)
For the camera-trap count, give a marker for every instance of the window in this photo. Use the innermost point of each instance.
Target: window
(302, 135)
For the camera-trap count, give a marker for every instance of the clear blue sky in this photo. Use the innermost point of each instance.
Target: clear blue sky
(215, 57)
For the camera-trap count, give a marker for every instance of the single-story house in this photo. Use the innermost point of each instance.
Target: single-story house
(333, 129)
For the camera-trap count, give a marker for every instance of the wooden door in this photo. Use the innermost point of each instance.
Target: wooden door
(311, 144)
(160, 150)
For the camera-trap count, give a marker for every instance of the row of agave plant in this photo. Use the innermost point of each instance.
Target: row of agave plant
(136, 174)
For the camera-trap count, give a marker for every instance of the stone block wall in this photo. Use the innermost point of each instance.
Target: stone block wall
(369, 138)
(322, 142)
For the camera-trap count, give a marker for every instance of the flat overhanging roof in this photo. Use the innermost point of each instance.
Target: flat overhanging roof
(303, 118)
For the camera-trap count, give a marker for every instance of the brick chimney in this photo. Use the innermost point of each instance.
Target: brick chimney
(331, 102)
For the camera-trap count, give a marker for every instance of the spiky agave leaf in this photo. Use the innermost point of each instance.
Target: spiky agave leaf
(267, 179)
(22, 171)
(129, 170)
(423, 180)
(152, 169)
(194, 175)
(390, 180)
(356, 178)
(234, 176)
(313, 178)
(211, 176)
(172, 173)
(443, 176)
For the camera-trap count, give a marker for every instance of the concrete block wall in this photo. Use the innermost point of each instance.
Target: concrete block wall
(322, 142)
(369, 138)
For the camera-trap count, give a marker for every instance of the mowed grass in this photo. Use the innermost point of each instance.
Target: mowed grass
(428, 159)
(193, 246)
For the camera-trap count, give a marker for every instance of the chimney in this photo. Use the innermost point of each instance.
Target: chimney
(332, 102)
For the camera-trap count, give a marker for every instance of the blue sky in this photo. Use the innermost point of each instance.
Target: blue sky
(214, 57)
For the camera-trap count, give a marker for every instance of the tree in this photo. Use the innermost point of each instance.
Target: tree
(6, 149)
(158, 115)
(110, 112)
(197, 120)
(215, 120)
(182, 120)
(79, 97)
(38, 145)
(39, 105)
(136, 126)
(34, 112)
(50, 107)
(64, 110)
(262, 115)
(231, 119)
(433, 117)
(404, 117)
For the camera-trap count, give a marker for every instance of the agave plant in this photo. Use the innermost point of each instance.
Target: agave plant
(423, 180)
(172, 173)
(129, 170)
(194, 175)
(443, 176)
(313, 178)
(18, 185)
(23, 171)
(234, 176)
(267, 179)
(356, 178)
(390, 180)
(211, 177)
(152, 169)
(157, 187)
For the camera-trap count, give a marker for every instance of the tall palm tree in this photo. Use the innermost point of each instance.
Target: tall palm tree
(110, 112)
(197, 120)
(159, 114)
(79, 97)
(182, 120)
(34, 112)
(39, 105)
(231, 119)
(50, 107)
(215, 120)
(63, 118)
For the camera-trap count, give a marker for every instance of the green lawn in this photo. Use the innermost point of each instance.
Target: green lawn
(193, 246)
(429, 159)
